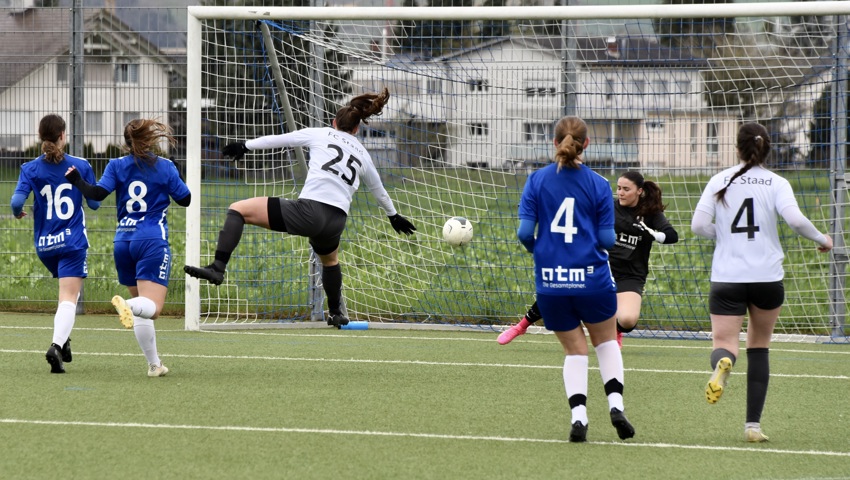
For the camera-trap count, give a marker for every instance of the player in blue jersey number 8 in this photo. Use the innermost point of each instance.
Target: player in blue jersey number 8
(746, 269)
(570, 207)
(59, 228)
(144, 184)
(338, 163)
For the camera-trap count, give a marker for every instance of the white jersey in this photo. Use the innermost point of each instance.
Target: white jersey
(747, 249)
(338, 161)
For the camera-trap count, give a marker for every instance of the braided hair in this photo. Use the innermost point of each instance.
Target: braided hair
(570, 133)
(753, 146)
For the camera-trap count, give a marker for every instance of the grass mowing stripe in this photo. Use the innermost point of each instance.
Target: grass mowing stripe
(415, 362)
(409, 435)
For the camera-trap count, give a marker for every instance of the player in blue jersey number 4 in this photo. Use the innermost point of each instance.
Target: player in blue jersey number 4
(59, 227)
(570, 207)
(338, 163)
(144, 183)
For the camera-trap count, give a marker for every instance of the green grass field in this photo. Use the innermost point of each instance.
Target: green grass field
(376, 404)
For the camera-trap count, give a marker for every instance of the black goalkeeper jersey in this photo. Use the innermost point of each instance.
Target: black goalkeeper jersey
(629, 257)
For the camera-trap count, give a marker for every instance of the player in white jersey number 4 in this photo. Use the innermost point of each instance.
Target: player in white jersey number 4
(338, 163)
(746, 270)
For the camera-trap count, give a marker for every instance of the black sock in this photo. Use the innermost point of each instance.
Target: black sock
(758, 377)
(228, 238)
(332, 282)
(719, 353)
(533, 313)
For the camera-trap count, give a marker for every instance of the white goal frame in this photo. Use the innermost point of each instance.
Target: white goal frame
(562, 13)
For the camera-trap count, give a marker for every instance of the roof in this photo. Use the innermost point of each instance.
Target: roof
(30, 39)
(643, 50)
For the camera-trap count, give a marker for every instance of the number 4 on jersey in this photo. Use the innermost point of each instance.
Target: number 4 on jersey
(750, 228)
(566, 227)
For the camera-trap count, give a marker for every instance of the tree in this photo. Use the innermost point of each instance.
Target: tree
(699, 36)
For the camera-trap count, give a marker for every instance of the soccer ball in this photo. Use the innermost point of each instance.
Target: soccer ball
(457, 231)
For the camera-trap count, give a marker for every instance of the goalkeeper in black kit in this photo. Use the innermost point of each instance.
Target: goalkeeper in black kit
(639, 222)
(339, 162)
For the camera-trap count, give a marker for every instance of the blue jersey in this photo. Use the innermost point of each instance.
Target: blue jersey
(142, 192)
(570, 207)
(60, 224)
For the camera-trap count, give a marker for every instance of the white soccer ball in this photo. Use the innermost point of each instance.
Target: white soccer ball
(457, 231)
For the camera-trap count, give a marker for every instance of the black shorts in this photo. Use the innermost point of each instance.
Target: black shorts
(630, 284)
(321, 223)
(734, 298)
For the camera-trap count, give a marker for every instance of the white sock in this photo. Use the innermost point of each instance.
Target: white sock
(63, 322)
(575, 384)
(146, 336)
(611, 368)
(142, 307)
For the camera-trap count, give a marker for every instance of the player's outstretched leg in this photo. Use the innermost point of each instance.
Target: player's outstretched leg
(625, 429)
(516, 330)
(125, 314)
(209, 273)
(715, 385)
(54, 358)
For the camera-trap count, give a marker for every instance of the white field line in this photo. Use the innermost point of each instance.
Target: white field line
(698, 344)
(474, 438)
(410, 362)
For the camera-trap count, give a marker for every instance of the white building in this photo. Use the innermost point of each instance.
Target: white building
(495, 105)
(126, 77)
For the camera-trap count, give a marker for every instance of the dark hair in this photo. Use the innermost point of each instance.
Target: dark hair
(649, 202)
(50, 130)
(359, 109)
(753, 146)
(142, 136)
(570, 133)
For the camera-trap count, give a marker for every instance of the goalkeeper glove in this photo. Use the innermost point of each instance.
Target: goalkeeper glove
(656, 235)
(236, 150)
(402, 225)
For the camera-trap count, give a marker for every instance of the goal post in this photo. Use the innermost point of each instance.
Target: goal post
(475, 92)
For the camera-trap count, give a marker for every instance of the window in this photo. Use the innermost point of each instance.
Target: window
(433, 85)
(129, 116)
(10, 142)
(479, 129)
(694, 138)
(659, 87)
(370, 132)
(539, 88)
(654, 125)
(712, 146)
(538, 132)
(94, 122)
(62, 69)
(640, 87)
(479, 85)
(126, 73)
(683, 85)
(609, 87)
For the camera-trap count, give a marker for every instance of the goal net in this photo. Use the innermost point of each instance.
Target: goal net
(475, 92)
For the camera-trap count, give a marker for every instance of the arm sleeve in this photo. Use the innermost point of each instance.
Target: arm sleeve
(607, 237)
(298, 138)
(185, 201)
(660, 223)
(376, 188)
(18, 200)
(525, 233)
(702, 224)
(91, 192)
(801, 225)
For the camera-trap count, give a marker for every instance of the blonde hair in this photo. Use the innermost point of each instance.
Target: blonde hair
(142, 136)
(570, 133)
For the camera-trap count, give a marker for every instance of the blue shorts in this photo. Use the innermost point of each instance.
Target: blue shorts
(142, 260)
(563, 313)
(68, 264)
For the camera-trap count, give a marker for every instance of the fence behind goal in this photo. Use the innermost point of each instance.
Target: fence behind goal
(475, 93)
